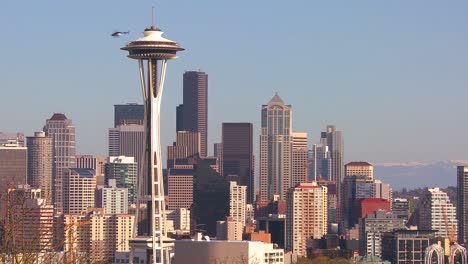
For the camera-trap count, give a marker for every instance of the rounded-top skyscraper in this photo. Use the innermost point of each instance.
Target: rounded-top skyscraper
(152, 52)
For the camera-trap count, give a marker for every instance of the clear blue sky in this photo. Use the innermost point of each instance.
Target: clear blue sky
(393, 75)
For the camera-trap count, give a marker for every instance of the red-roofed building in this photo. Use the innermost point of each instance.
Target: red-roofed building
(366, 206)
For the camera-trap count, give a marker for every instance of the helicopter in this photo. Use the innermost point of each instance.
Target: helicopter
(117, 34)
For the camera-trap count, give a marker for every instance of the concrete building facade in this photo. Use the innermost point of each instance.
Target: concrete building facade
(371, 229)
(113, 199)
(359, 168)
(29, 221)
(101, 236)
(237, 202)
(40, 164)
(306, 215)
(300, 158)
(433, 207)
(186, 149)
(228, 252)
(229, 230)
(180, 187)
(97, 163)
(79, 188)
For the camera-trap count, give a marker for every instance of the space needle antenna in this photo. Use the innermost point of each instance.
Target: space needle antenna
(152, 16)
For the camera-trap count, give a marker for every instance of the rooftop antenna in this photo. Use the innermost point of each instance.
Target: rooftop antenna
(152, 16)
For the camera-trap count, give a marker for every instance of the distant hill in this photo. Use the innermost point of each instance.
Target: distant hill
(414, 175)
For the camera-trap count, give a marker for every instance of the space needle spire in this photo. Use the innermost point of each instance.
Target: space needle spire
(152, 52)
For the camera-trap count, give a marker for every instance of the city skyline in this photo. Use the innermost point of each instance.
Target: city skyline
(243, 190)
(428, 69)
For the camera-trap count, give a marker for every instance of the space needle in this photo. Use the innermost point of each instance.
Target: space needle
(152, 52)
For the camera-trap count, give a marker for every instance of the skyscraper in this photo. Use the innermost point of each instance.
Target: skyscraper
(96, 163)
(192, 115)
(113, 199)
(320, 163)
(334, 141)
(237, 155)
(124, 170)
(359, 168)
(126, 114)
(78, 190)
(275, 149)
(62, 132)
(13, 166)
(127, 140)
(237, 202)
(180, 187)
(299, 158)
(40, 164)
(185, 150)
(462, 204)
(218, 153)
(306, 215)
(433, 208)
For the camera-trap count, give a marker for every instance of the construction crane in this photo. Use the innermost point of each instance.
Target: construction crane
(455, 249)
(450, 229)
(71, 237)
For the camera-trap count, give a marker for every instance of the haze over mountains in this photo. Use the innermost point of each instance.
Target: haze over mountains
(412, 175)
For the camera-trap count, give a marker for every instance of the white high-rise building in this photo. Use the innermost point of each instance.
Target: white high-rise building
(275, 149)
(237, 202)
(113, 199)
(306, 216)
(79, 186)
(299, 158)
(433, 208)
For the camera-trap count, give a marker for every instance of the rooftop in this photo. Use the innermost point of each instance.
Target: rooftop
(276, 99)
(84, 173)
(358, 163)
(58, 117)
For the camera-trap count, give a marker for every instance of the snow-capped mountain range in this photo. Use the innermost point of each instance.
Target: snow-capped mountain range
(419, 174)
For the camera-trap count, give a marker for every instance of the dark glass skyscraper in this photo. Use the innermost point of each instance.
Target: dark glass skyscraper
(192, 115)
(334, 141)
(237, 154)
(128, 114)
(462, 203)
